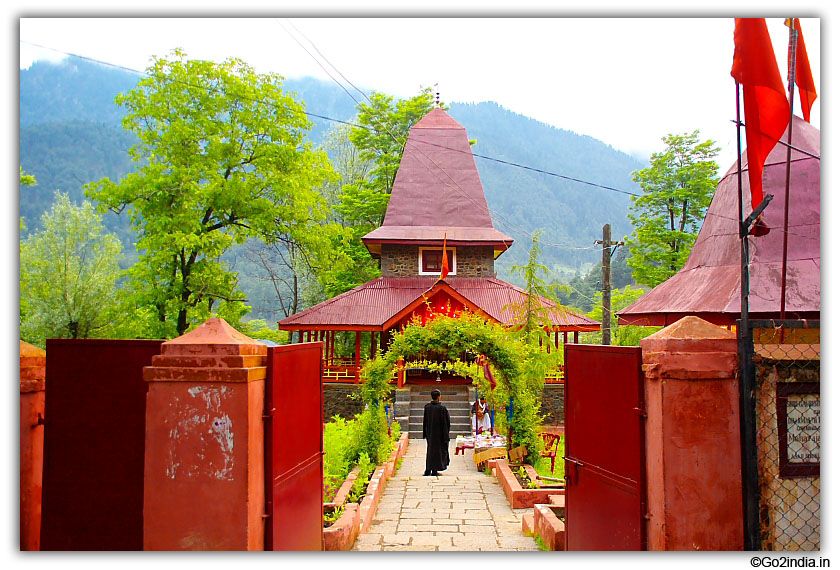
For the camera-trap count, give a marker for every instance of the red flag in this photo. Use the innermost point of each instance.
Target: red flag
(804, 79)
(488, 375)
(444, 263)
(766, 108)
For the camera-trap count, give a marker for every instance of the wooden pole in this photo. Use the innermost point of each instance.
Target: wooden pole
(606, 288)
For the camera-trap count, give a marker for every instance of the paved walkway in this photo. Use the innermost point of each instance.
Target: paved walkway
(460, 510)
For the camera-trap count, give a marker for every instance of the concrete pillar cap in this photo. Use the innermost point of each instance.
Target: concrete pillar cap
(33, 362)
(692, 327)
(216, 332)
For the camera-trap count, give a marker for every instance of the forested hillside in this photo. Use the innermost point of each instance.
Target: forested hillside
(71, 135)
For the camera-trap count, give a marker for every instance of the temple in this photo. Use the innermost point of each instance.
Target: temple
(437, 196)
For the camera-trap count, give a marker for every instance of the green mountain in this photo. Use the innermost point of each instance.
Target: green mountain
(70, 135)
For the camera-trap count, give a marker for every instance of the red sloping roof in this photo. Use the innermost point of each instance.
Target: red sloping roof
(710, 283)
(438, 186)
(370, 305)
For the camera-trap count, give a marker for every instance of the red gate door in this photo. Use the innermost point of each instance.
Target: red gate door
(293, 457)
(605, 459)
(94, 444)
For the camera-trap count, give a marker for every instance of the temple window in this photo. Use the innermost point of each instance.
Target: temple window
(431, 258)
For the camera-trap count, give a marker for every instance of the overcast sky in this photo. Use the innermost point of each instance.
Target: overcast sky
(625, 81)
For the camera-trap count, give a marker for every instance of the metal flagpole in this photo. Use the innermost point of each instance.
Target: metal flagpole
(793, 38)
(749, 455)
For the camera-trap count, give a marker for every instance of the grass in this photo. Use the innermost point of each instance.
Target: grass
(540, 543)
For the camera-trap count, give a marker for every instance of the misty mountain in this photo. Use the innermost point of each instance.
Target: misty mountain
(70, 135)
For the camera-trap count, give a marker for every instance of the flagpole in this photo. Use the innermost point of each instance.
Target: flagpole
(749, 456)
(793, 38)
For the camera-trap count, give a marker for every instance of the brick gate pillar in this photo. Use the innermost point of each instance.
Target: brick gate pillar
(204, 479)
(693, 438)
(33, 365)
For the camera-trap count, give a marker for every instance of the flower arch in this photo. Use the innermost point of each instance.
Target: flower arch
(453, 336)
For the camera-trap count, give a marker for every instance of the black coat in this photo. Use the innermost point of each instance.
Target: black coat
(436, 433)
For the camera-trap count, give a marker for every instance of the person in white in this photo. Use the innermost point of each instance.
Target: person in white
(480, 417)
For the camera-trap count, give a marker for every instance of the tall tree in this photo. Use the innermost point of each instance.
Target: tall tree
(222, 157)
(68, 275)
(677, 189)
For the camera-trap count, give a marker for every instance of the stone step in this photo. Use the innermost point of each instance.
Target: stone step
(418, 424)
(453, 410)
(452, 435)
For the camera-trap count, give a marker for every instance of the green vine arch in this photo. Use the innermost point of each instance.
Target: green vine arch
(471, 334)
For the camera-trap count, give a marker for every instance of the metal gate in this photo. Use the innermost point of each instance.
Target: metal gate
(94, 444)
(293, 444)
(605, 454)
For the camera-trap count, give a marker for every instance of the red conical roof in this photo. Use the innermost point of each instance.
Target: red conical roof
(437, 190)
(709, 285)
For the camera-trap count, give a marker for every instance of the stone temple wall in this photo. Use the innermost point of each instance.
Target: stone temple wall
(403, 261)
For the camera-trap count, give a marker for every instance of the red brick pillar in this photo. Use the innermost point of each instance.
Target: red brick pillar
(33, 365)
(204, 479)
(693, 438)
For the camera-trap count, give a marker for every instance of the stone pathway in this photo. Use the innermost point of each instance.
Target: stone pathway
(460, 510)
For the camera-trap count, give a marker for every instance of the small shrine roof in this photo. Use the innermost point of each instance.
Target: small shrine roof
(372, 305)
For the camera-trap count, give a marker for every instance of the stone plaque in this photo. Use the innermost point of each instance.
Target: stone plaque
(803, 428)
(798, 412)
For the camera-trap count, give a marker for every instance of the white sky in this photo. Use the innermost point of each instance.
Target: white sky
(625, 81)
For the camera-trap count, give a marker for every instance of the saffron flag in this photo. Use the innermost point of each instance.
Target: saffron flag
(444, 262)
(803, 77)
(488, 375)
(766, 108)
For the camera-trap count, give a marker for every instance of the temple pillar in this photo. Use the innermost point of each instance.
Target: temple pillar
(692, 438)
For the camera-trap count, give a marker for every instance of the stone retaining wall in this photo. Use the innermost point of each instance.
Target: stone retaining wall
(552, 403)
(337, 401)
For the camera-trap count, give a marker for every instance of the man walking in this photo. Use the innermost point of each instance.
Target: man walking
(436, 433)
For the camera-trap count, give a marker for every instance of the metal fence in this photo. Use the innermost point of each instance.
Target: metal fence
(782, 471)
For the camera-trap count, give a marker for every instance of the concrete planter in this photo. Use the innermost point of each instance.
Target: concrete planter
(356, 519)
(518, 497)
(342, 534)
(377, 483)
(548, 526)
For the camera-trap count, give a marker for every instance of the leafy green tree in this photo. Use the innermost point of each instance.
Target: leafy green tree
(222, 156)
(68, 275)
(677, 189)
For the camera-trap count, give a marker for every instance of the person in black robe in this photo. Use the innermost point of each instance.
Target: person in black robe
(436, 433)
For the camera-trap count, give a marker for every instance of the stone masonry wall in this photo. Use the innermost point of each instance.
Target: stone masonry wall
(553, 397)
(399, 260)
(337, 401)
(475, 261)
(403, 261)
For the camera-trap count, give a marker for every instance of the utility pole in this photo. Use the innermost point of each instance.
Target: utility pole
(606, 290)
